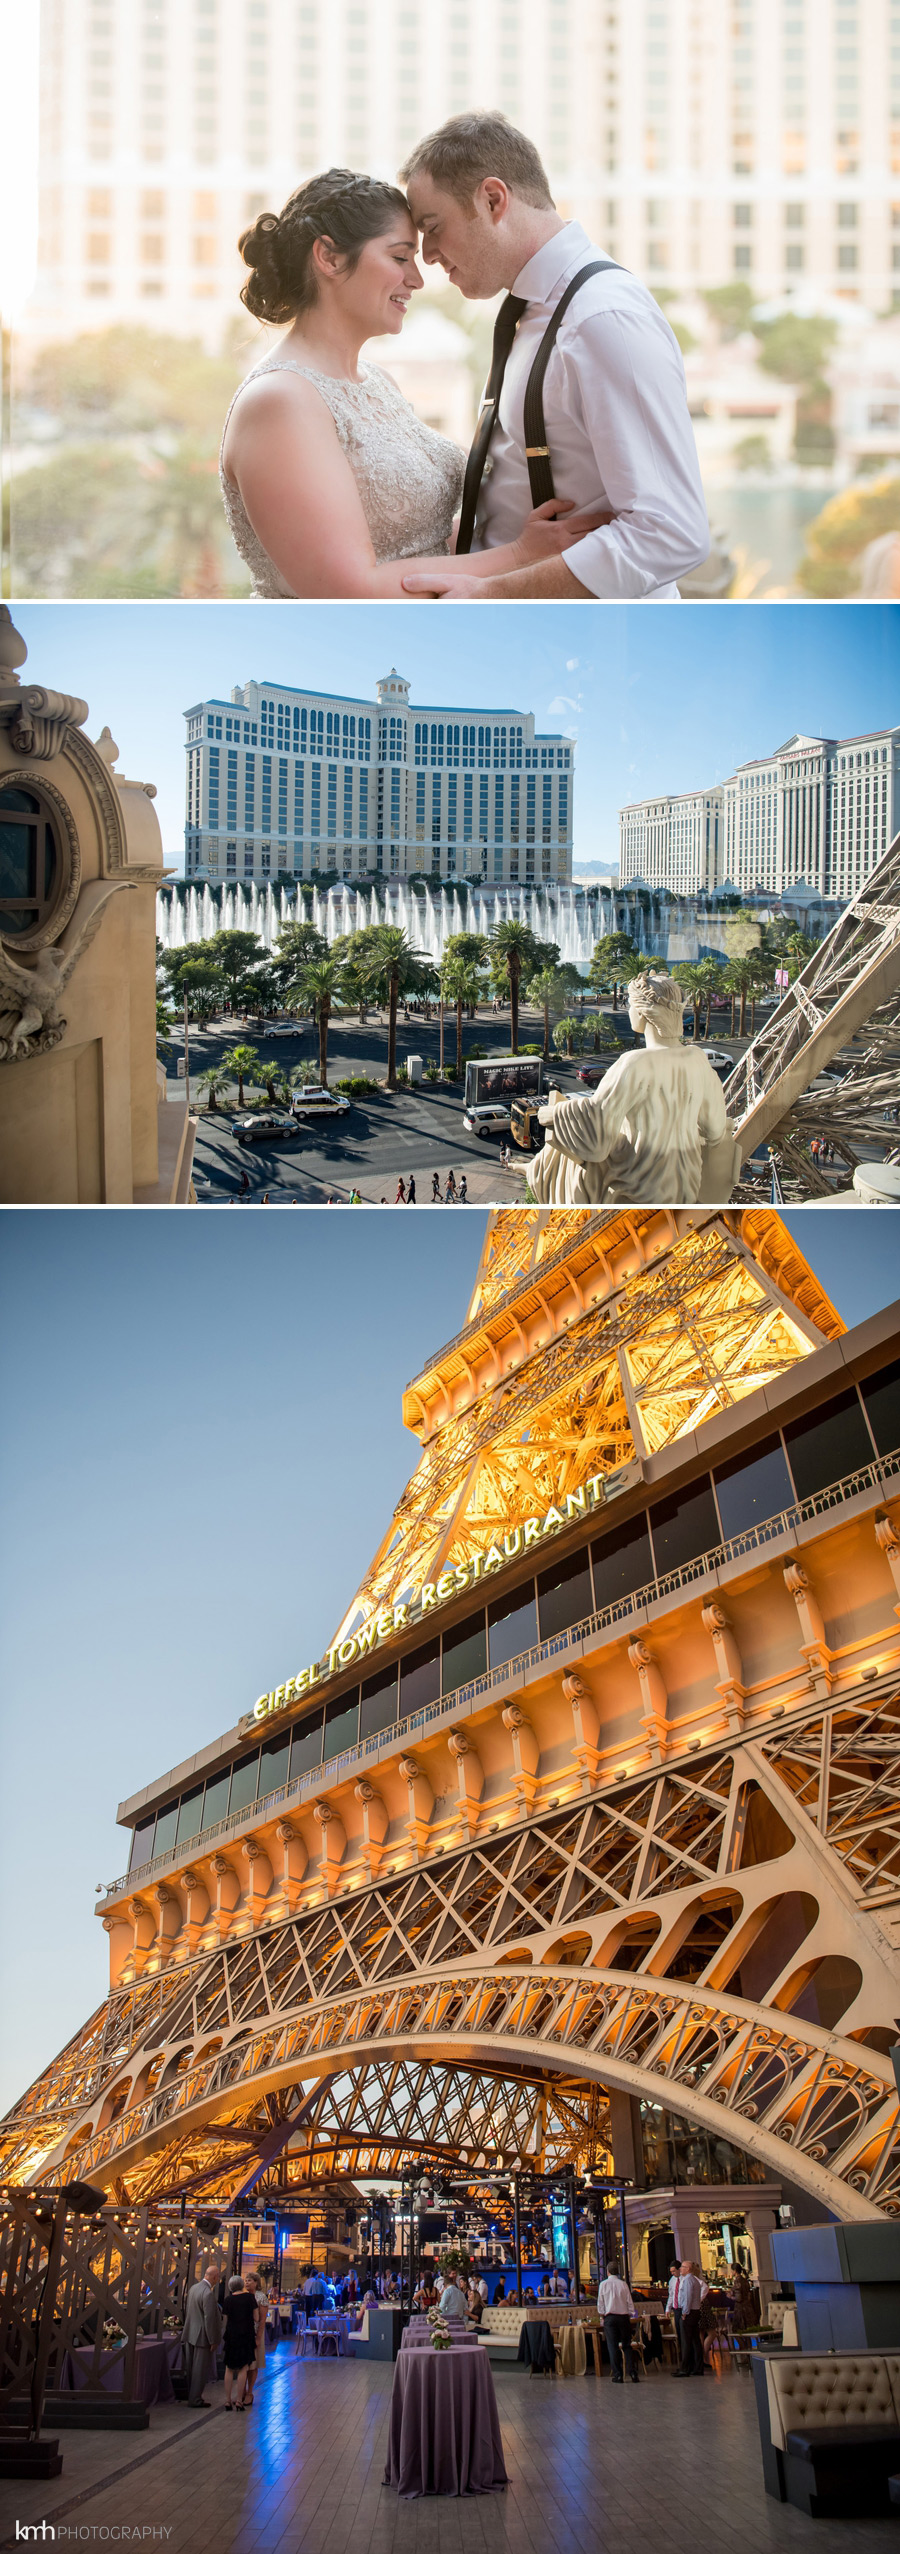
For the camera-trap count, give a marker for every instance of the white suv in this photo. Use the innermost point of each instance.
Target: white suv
(487, 1119)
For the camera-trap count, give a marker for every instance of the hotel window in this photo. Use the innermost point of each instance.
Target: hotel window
(464, 1653)
(378, 1702)
(273, 1764)
(142, 1843)
(623, 1562)
(881, 1395)
(753, 1487)
(341, 1724)
(306, 1743)
(684, 1526)
(829, 1442)
(565, 1595)
(166, 1826)
(420, 1678)
(190, 1815)
(512, 1625)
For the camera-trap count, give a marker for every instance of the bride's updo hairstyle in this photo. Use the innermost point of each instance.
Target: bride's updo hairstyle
(339, 207)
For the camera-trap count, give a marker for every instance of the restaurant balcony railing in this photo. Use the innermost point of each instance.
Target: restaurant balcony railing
(872, 1478)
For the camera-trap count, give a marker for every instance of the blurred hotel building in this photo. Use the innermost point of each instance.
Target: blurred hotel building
(698, 140)
(817, 813)
(285, 784)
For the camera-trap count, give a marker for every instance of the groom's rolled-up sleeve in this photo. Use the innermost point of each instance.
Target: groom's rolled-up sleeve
(627, 383)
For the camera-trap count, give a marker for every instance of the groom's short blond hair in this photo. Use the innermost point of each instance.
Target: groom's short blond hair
(472, 147)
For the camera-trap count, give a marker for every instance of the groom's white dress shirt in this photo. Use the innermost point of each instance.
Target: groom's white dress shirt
(616, 414)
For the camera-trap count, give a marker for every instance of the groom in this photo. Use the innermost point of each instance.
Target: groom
(586, 397)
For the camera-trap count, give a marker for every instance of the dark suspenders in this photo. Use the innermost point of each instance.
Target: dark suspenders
(537, 449)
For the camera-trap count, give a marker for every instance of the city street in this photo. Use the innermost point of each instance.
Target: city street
(384, 1136)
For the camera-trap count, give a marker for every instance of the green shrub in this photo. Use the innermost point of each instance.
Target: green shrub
(354, 1084)
(836, 540)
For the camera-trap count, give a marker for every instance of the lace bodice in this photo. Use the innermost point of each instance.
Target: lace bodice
(409, 478)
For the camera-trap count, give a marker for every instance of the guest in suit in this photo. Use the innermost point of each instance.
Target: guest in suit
(202, 2334)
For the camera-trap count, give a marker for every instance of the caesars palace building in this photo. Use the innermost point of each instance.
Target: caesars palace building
(578, 1841)
(289, 784)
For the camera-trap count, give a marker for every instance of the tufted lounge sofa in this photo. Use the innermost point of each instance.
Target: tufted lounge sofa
(830, 2429)
(501, 2325)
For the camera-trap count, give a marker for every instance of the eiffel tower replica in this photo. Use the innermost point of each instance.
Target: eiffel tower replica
(582, 1836)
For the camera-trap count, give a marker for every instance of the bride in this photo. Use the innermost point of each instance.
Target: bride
(330, 480)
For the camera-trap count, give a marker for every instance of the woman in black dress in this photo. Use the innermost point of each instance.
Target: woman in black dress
(240, 2342)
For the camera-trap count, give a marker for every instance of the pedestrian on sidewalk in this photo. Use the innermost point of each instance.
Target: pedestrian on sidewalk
(435, 1188)
(400, 1199)
(450, 1190)
(411, 1198)
(464, 1191)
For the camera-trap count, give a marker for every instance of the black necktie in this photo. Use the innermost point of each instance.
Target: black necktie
(505, 325)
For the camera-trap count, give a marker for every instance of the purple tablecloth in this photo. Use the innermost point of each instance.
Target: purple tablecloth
(153, 2364)
(444, 2426)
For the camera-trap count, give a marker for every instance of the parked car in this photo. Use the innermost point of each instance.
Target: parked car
(487, 1119)
(265, 1129)
(719, 1058)
(325, 1103)
(593, 1072)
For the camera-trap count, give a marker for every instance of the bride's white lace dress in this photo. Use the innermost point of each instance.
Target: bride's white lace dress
(409, 478)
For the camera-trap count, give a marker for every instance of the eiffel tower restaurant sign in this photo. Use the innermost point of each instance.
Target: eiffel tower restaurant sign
(435, 1593)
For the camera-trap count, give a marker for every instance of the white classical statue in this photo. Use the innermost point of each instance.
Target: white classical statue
(655, 1130)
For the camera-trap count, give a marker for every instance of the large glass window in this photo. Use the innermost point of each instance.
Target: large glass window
(166, 1828)
(190, 1814)
(684, 1526)
(341, 1723)
(565, 1594)
(215, 1799)
(420, 1678)
(881, 1394)
(623, 1562)
(30, 862)
(378, 1702)
(273, 1763)
(306, 1743)
(756, 1485)
(512, 1624)
(142, 1843)
(464, 1653)
(827, 1443)
(245, 1775)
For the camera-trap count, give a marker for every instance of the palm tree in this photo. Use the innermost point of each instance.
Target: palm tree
(318, 985)
(709, 978)
(547, 991)
(740, 977)
(460, 983)
(272, 1075)
(687, 974)
(569, 1037)
(388, 966)
(210, 1083)
(512, 948)
(242, 1065)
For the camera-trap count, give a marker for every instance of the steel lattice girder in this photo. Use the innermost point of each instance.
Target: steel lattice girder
(689, 1335)
(258, 2020)
(854, 972)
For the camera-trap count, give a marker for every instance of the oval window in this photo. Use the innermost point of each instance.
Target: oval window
(32, 868)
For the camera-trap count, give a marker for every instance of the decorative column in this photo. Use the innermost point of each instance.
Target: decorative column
(258, 1882)
(333, 1844)
(470, 1781)
(196, 1908)
(886, 1539)
(421, 1804)
(653, 1696)
(684, 2218)
(813, 1645)
(526, 1754)
(144, 1934)
(169, 1924)
(228, 1890)
(760, 2225)
(121, 1952)
(729, 1665)
(293, 1867)
(586, 1724)
(375, 1825)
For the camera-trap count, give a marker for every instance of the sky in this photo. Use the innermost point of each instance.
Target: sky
(655, 704)
(203, 1446)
